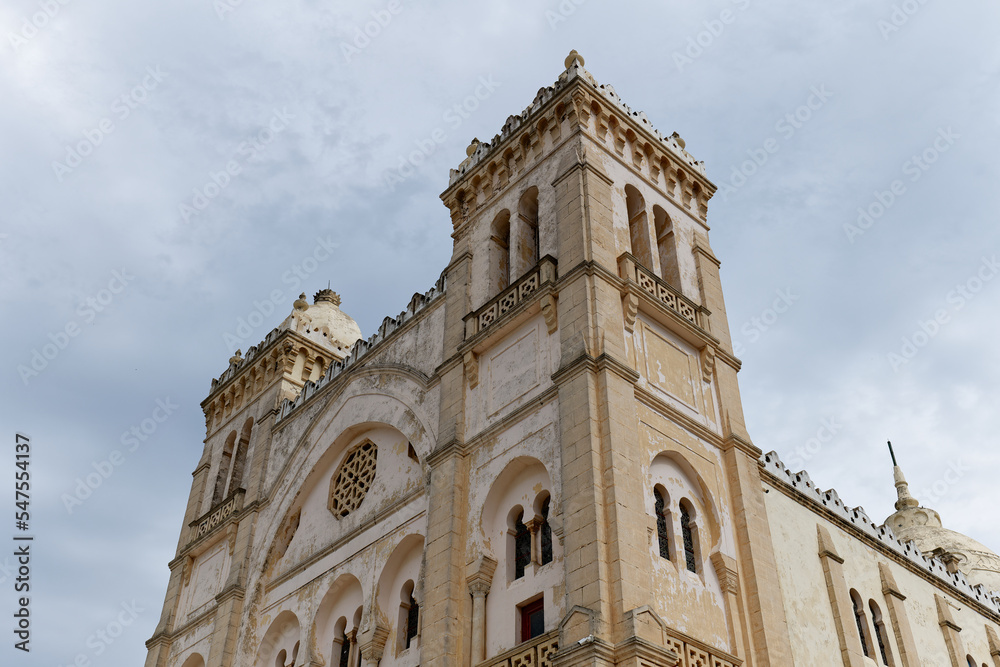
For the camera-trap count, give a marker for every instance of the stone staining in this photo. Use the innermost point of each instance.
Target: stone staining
(353, 480)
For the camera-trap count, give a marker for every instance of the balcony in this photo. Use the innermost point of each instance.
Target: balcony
(217, 516)
(543, 273)
(656, 287)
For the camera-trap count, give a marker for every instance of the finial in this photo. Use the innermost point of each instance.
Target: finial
(236, 359)
(904, 499)
(301, 303)
(680, 142)
(573, 55)
(472, 147)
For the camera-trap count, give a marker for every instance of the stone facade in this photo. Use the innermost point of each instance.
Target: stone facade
(542, 461)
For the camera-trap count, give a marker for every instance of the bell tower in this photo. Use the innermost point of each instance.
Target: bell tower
(580, 213)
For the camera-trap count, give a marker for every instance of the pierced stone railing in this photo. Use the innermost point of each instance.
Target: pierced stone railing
(523, 288)
(535, 652)
(656, 287)
(218, 515)
(693, 652)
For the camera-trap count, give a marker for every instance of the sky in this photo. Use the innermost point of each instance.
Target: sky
(174, 174)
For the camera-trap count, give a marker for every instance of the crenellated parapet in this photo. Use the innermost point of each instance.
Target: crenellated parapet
(802, 485)
(363, 347)
(576, 102)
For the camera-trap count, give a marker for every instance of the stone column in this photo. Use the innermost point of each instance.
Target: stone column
(479, 579)
(352, 660)
(373, 645)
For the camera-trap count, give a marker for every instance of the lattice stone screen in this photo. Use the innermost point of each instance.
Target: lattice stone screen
(353, 479)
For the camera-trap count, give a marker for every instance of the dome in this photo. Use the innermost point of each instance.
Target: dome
(323, 322)
(923, 526)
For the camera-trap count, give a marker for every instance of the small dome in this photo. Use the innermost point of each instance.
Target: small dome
(323, 322)
(923, 526)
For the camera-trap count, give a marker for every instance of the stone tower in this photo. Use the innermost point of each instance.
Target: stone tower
(540, 461)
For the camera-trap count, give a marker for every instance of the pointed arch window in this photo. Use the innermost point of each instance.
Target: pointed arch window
(638, 226)
(500, 253)
(687, 534)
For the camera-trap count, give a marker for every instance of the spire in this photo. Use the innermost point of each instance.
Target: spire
(904, 499)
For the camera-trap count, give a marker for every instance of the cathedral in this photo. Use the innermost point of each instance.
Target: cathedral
(542, 461)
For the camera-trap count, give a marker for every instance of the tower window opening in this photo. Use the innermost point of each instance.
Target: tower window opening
(862, 623)
(880, 636)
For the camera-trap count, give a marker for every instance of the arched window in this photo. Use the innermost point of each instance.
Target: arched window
(666, 246)
(295, 654)
(345, 652)
(522, 546)
(500, 253)
(409, 617)
(525, 255)
(224, 465)
(862, 622)
(688, 535)
(662, 530)
(972, 663)
(239, 460)
(545, 534)
(881, 638)
(638, 226)
(280, 660)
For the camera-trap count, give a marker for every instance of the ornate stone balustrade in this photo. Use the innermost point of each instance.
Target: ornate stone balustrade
(218, 515)
(533, 653)
(656, 287)
(696, 654)
(523, 288)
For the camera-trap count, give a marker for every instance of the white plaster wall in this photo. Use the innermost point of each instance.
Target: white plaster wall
(208, 573)
(807, 603)
(521, 484)
(670, 368)
(690, 602)
(403, 565)
(513, 372)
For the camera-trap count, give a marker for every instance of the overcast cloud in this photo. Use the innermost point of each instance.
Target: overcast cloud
(219, 143)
